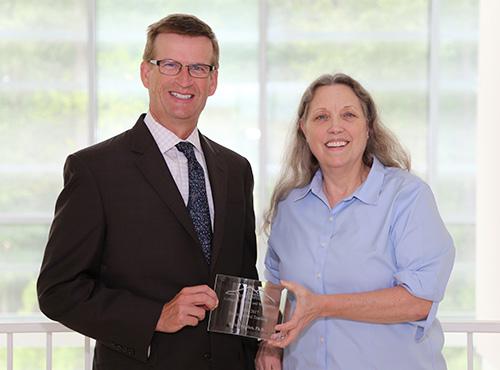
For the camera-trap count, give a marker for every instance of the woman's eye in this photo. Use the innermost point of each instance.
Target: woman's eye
(321, 117)
(349, 115)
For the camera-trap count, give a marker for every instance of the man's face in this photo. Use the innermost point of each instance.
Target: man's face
(177, 101)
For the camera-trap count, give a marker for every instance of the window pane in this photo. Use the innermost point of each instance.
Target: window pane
(384, 44)
(309, 39)
(43, 117)
(231, 115)
(455, 150)
(21, 249)
(43, 90)
(459, 298)
(29, 190)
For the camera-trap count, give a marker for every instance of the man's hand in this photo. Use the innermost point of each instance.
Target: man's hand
(187, 308)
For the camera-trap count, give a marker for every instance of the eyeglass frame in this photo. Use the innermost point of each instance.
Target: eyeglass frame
(158, 62)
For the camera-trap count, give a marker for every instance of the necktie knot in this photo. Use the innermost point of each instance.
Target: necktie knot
(186, 148)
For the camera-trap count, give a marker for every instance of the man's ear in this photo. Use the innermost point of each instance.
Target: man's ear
(145, 71)
(213, 82)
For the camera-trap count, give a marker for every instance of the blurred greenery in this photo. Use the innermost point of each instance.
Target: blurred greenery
(348, 16)
(459, 299)
(47, 126)
(305, 60)
(21, 243)
(383, 43)
(28, 358)
(456, 358)
(33, 60)
(30, 192)
(42, 15)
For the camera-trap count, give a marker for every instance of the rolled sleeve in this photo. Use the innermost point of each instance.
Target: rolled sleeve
(271, 262)
(424, 251)
(423, 326)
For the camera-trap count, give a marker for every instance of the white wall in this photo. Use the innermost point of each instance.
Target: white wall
(488, 180)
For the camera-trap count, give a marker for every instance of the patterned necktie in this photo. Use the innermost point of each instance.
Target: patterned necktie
(197, 201)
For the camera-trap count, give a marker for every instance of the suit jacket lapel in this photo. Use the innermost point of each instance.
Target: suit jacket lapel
(152, 165)
(217, 173)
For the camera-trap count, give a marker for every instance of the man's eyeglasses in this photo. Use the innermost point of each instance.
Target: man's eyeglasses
(171, 67)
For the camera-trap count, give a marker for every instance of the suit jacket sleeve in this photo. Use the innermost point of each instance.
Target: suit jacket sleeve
(250, 258)
(69, 288)
(250, 269)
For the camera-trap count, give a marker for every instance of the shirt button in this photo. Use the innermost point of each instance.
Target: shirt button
(321, 340)
(207, 356)
(318, 275)
(323, 244)
(330, 218)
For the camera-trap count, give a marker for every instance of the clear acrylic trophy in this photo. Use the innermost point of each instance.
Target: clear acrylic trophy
(247, 307)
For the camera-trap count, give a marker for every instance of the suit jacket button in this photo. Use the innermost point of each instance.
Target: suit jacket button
(207, 356)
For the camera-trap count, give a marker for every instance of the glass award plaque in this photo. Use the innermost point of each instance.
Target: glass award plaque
(247, 307)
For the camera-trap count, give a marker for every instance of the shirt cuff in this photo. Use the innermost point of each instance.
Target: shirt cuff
(414, 283)
(423, 326)
(420, 284)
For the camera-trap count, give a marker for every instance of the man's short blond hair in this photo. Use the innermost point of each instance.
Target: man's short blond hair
(180, 24)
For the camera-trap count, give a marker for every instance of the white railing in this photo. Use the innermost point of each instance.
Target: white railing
(48, 327)
(470, 328)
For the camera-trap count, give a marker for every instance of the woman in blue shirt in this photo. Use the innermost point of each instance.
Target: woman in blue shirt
(359, 241)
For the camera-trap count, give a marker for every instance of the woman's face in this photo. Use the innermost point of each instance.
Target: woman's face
(335, 127)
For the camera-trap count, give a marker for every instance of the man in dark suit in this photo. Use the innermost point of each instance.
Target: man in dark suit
(147, 219)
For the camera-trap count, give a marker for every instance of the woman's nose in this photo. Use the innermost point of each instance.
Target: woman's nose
(335, 124)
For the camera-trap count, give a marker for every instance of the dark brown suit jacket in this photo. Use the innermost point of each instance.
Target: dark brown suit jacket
(122, 244)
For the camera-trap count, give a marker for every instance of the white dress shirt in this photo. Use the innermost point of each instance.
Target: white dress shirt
(177, 161)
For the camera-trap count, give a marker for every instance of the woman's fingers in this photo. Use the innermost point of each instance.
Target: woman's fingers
(306, 311)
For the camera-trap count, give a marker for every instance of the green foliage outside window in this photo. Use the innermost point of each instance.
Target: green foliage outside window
(44, 105)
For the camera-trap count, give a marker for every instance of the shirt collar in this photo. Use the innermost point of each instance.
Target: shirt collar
(314, 186)
(368, 192)
(166, 139)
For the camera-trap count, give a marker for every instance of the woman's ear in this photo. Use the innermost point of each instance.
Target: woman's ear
(301, 125)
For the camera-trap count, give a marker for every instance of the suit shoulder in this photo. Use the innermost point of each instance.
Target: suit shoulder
(104, 148)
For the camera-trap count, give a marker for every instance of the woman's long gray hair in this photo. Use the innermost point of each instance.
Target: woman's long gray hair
(300, 164)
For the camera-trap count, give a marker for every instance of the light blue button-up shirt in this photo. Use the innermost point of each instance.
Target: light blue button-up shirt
(387, 233)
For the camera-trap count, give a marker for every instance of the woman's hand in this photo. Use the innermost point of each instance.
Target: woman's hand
(307, 309)
(268, 357)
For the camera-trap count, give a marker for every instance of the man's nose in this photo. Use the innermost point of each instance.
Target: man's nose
(184, 78)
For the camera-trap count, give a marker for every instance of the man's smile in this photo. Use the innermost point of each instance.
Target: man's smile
(181, 96)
